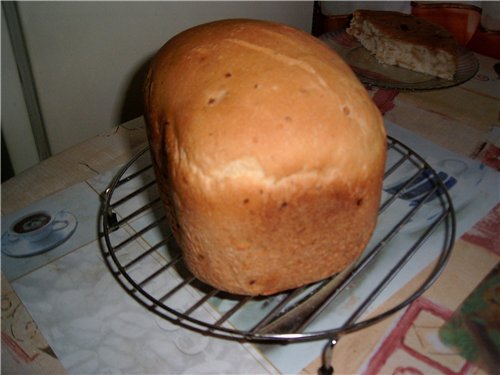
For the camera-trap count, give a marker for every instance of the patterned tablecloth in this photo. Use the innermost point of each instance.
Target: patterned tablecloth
(63, 312)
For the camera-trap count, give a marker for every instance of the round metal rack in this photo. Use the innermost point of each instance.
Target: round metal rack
(415, 230)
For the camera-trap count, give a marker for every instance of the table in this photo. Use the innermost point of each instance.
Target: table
(464, 119)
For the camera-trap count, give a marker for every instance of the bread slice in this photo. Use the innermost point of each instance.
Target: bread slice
(407, 41)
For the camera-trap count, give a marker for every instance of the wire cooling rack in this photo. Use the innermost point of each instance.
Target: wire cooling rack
(416, 227)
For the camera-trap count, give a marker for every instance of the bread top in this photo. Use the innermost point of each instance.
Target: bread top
(410, 29)
(256, 99)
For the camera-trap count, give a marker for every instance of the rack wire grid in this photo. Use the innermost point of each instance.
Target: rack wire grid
(416, 225)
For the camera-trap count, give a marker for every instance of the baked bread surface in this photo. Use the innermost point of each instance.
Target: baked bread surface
(269, 154)
(404, 40)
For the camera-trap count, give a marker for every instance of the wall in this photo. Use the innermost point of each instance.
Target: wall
(16, 129)
(88, 58)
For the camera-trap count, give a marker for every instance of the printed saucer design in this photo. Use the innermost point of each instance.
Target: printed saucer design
(19, 247)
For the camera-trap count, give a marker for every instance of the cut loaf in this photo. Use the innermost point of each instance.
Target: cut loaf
(407, 41)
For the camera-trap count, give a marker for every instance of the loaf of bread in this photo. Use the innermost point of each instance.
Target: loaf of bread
(268, 152)
(407, 41)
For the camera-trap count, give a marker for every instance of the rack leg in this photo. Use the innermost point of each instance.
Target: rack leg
(327, 367)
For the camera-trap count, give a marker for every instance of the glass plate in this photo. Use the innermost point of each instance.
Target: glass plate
(372, 73)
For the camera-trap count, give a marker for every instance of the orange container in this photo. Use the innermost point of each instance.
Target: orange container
(464, 21)
(460, 19)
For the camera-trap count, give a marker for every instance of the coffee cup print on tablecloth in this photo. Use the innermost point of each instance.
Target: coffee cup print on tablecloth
(460, 178)
(38, 232)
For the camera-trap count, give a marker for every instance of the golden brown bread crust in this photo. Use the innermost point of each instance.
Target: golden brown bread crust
(269, 154)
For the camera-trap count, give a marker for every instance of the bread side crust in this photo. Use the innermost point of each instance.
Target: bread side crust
(269, 155)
